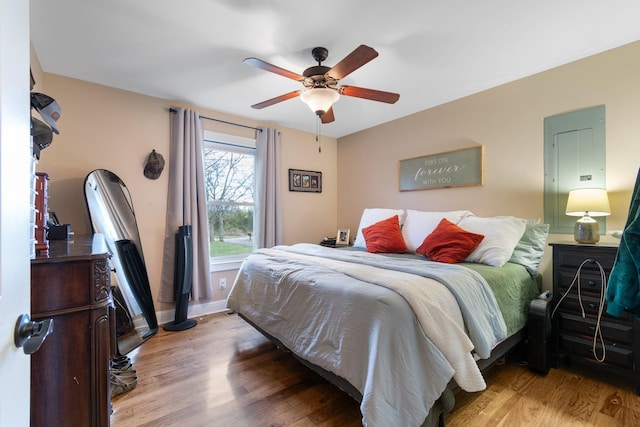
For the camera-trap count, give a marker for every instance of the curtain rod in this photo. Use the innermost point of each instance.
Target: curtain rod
(222, 121)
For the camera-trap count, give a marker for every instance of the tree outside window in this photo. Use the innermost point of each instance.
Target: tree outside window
(229, 180)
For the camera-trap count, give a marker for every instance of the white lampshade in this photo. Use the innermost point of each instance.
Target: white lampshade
(320, 99)
(587, 203)
(591, 201)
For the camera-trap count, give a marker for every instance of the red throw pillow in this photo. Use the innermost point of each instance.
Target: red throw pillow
(449, 243)
(385, 237)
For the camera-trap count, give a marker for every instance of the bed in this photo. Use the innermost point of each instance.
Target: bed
(393, 328)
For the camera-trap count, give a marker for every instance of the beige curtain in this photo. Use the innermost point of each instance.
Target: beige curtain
(186, 204)
(267, 222)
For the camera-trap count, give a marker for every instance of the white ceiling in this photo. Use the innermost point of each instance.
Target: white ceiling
(430, 51)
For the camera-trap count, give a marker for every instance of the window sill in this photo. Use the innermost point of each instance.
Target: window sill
(225, 265)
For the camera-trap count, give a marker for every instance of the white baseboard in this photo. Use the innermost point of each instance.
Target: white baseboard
(195, 310)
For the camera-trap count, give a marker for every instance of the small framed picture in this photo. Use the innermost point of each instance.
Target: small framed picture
(342, 238)
(306, 181)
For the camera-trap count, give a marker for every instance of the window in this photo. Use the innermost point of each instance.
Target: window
(229, 181)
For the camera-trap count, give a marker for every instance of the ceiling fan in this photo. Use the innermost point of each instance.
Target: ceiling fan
(320, 82)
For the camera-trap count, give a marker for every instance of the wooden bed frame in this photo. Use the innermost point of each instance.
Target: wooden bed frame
(444, 404)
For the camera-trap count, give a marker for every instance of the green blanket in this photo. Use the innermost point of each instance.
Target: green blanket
(512, 284)
(514, 289)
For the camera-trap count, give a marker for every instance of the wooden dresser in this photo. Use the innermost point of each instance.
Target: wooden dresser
(70, 372)
(572, 334)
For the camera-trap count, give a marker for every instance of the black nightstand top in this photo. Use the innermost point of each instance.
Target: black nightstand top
(585, 245)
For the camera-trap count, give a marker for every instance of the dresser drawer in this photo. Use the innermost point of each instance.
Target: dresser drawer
(616, 334)
(615, 355)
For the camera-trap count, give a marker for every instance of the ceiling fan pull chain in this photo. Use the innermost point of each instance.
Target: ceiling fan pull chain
(318, 133)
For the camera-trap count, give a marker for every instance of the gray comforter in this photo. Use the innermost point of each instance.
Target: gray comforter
(398, 330)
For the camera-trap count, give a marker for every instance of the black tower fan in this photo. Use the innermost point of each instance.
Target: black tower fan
(539, 325)
(182, 278)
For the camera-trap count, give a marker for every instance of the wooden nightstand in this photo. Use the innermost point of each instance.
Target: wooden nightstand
(573, 334)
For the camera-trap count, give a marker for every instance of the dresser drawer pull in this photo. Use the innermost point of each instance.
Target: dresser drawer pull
(593, 306)
(591, 283)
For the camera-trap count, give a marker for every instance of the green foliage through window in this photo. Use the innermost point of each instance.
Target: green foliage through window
(229, 184)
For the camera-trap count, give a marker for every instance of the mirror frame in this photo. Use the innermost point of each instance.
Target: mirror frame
(111, 214)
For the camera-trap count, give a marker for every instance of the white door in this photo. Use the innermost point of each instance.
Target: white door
(15, 232)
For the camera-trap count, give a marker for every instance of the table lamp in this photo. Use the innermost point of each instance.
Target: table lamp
(587, 203)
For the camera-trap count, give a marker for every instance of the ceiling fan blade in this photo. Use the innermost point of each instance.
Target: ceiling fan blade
(356, 59)
(328, 116)
(275, 100)
(259, 63)
(374, 95)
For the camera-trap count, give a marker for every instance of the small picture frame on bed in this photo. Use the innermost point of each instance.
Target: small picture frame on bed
(342, 237)
(306, 181)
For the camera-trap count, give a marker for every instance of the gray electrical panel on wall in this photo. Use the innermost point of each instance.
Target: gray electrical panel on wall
(574, 157)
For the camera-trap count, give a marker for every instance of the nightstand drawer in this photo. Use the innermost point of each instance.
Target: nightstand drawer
(573, 257)
(590, 283)
(615, 355)
(591, 306)
(616, 334)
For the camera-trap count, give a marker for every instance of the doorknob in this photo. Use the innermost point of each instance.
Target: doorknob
(31, 334)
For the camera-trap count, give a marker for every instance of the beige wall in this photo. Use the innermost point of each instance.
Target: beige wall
(508, 122)
(102, 127)
(107, 128)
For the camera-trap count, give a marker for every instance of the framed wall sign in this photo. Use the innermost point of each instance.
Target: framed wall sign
(306, 181)
(458, 168)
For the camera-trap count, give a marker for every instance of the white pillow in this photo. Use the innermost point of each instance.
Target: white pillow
(419, 225)
(501, 235)
(369, 217)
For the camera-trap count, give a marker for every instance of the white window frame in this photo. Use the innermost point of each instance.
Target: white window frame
(230, 263)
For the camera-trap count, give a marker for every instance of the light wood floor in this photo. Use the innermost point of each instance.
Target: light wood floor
(224, 373)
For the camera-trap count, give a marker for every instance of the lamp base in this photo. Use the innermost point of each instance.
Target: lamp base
(586, 230)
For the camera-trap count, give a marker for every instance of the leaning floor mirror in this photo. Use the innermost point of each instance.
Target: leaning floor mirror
(111, 214)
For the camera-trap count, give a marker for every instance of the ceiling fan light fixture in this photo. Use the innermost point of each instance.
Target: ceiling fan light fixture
(320, 100)
(320, 82)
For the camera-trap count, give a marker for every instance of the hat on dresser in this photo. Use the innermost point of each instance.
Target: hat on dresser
(42, 134)
(48, 108)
